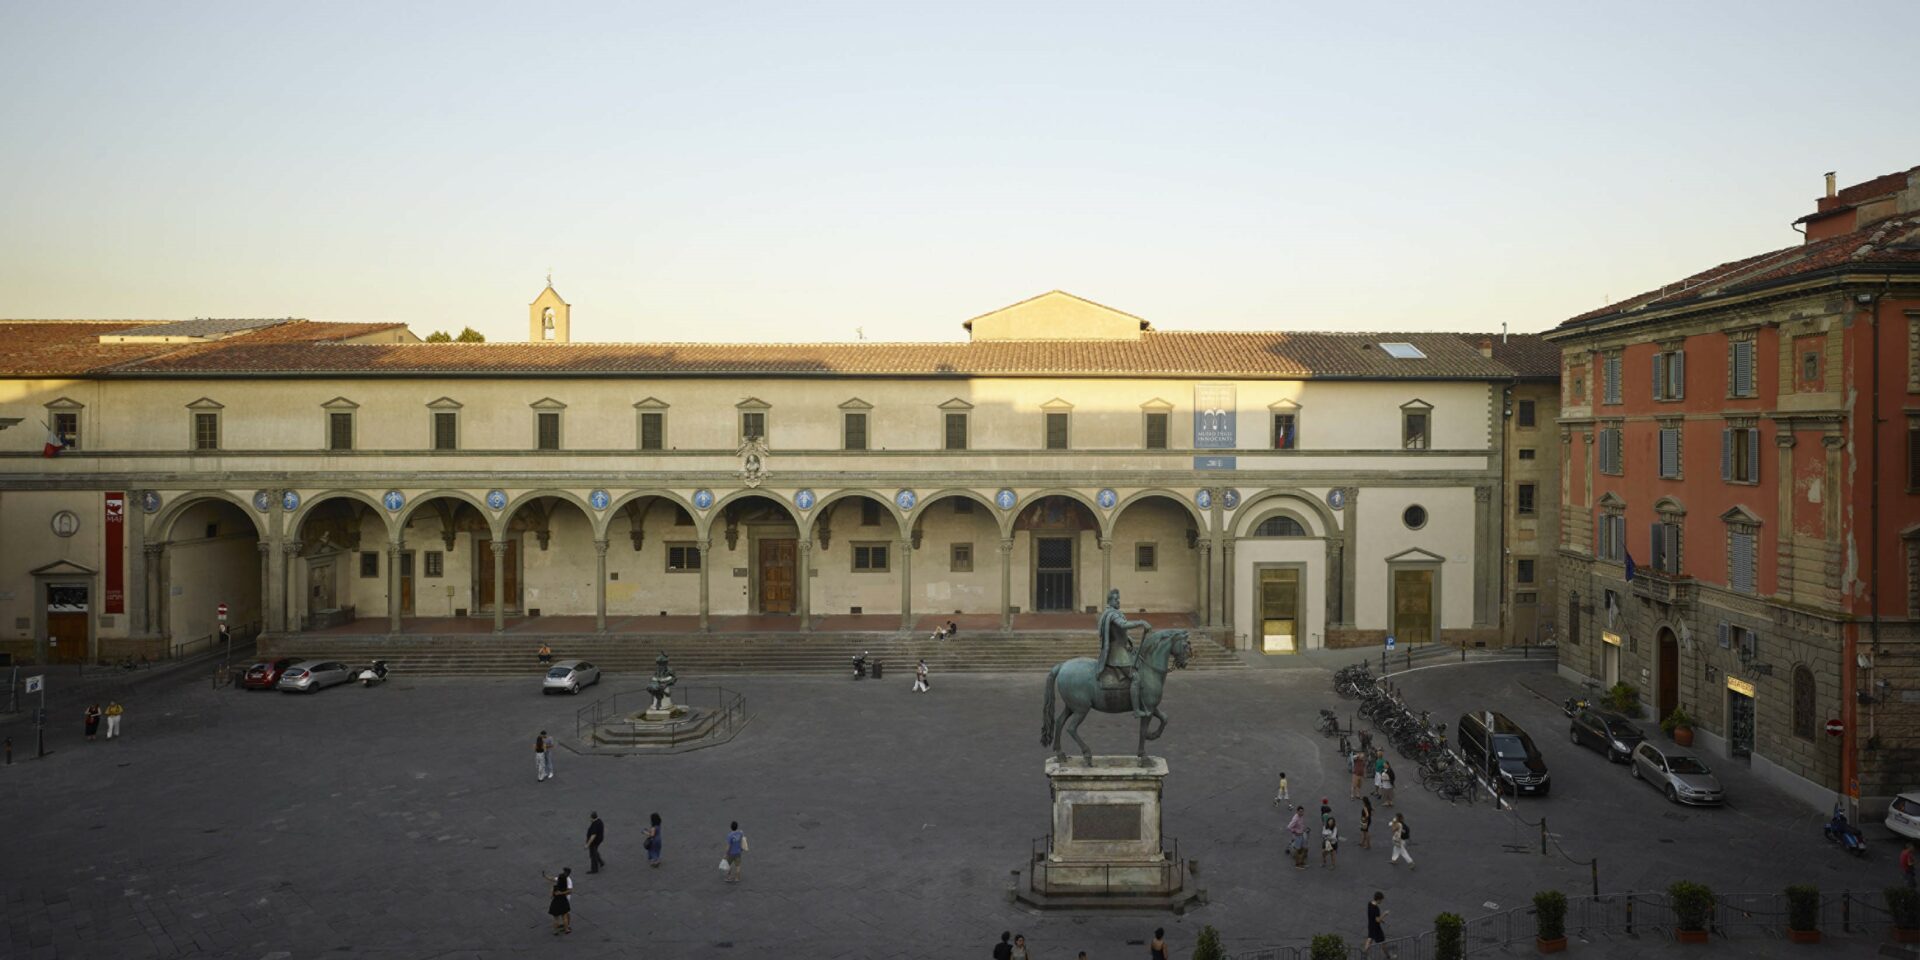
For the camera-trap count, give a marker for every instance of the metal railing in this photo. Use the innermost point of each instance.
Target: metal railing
(1172, 870)
(731, 710)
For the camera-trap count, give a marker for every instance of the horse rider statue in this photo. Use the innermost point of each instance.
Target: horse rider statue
(1116, 651)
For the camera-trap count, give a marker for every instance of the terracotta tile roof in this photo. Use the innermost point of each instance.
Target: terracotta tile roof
(1893, 242)
(72, 348)
(1528, 355)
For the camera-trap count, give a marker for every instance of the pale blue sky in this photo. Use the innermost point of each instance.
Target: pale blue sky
(742, 171)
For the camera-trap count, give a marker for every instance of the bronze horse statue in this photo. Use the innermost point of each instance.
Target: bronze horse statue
(1078, 681)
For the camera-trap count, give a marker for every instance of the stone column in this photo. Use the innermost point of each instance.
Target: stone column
(1783, 439)
(1491, 566)
(1226, 588)
(1204, 589)
(499, 586)
(1833, 444)
(136, 583)
(296, 587)
(269, 557)
(1106, 570)
(803, 589)
(150, 611)
(393, 585)
(600, 587)
(905, 546)
(1349, 572)
(706, 565)
(1006, 584)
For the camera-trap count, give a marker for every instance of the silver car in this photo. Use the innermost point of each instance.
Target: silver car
(308, 676)
(1682, 777)
(570, 676)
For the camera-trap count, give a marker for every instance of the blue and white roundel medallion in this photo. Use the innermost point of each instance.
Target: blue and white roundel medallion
(1205, 499)
(803, 500)
(1337, 498)
(496, 499)
(905, 499)
(1230, 498)
(702, 499)
(290, 501)
(1106, 499)
(262, 500)
(150, 501)
(394, 500)
(599, 499)
(1006, 499)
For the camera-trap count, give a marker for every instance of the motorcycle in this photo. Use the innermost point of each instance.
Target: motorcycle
(1839, 831)
(373, 674)
(1574, 705)
(860, 667)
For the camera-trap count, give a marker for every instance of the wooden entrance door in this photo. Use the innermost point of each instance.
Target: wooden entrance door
(1413, 606)
(320, 587)
(1668, 696)
(67, 636)
(1053, 573)
(776, 576)
(406, 581)
(510, 564)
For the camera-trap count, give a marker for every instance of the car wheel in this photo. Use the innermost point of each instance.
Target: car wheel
(1636, 772)
(573, 690)
(1573, 736)
(1672, 797)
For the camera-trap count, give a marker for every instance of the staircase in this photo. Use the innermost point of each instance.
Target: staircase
(698, 655)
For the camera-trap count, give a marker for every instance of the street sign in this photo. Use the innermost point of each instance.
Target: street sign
(35, 682)
(1389, 641)
(1836, 727)
(222, 610)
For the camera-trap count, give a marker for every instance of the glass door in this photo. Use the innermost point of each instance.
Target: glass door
(1279, 609)
(1739, 725)
(1053, 574)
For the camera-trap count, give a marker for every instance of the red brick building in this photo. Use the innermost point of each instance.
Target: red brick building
(1720, 432)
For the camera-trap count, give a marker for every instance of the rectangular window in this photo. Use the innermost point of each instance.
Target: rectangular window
(1157, 431)
(1526, 453)
(1526, 413)
(436, 563)
(339, 431)
(1523, 571)
(1146, 556)
(1740, 369)
(1810, 348)
(1740, 454)
(869, 513)
(445, 432)
(1670, 453)
(960, 558)
(653, 431)
(1670, 375)
(1286, 431)
(1610, 537)
(1413, 429)
(1913, 454)
(206, 431)
(369, 564)
(1056, 431)
(753, 425)
(1523, 499)
(67, 426)
(683, 556)
(1740, 557)
(1663, 547)
(1611, 450)
(869, 558)
(548, 434)
(1610, 370)
(956, 431)
(855, 435)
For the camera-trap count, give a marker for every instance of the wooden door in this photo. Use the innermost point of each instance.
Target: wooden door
(320, 587)
(406, 582)
(483, 562)
(1669, 695)
(70, 632)
(776, 576)
(1413, 606)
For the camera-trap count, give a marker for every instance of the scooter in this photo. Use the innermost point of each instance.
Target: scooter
(1574, 705)
(373, 674)
(1839, 831)
(860, 667)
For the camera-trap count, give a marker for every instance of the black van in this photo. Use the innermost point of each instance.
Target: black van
(1498, 748)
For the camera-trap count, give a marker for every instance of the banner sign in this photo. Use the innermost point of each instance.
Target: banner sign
(116, 552)
(1214, 417)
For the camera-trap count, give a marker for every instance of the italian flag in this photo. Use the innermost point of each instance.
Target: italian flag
(54, 444)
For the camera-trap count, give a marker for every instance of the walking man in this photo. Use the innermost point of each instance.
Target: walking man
(114, 710)
(1359, 766)
(736, 848)
(542, 757)
(1398, 830)
(1004, 949)
(1376, 923)
(596, 832)
(920, 677)
(1297, 844)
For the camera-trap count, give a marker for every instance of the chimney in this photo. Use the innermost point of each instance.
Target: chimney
(1831, 191)
(1486, 347)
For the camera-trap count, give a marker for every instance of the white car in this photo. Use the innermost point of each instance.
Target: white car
(1903, 815)
(569, 676)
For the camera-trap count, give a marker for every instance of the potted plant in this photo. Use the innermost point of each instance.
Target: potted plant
(1624, 698)
(1904, 903)
(1803, 913)
(1327, 946)
(1447, 941)
(1550, 921)
(1679, 726)
(1207, 945)
(1692, 910)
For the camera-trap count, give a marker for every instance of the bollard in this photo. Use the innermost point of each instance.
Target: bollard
(1846, 911)
(1629, 914)
(1543, 836)
(1594, 864)
(9, 751)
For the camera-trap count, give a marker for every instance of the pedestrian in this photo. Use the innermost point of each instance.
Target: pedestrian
(1020, 947)
(1359, 765)
(1157, 950)
(1329, 843)
(652, 841)
(953, 629)
(1297, 843)
(1387, 778)
(1326, 812)
(1906, 864)
(1376, 923)
(1004, 949)
(560, 908)
(736, 848)
(542, 757)
(1379, 773)
(114, 710)
(1366, 743)
(920, 677)
(93, 720)
(596, 834)
(1280, 796)
(546, 654)
(1366, 823)
(1397, 829)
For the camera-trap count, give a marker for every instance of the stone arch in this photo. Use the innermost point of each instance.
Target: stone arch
(1316, 508)
(309, 503)
(808, 528)
(414, 503)
(1002, 520)
(1279, 510)
(613, 509)
(1670, 505)
(161, 527)
(504, 525)
(1103, 525)
(1193, 511)
(703, 523)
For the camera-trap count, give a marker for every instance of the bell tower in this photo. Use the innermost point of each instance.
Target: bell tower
(547, 317)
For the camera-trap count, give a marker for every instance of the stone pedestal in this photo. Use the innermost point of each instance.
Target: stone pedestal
(665, 712)
(1106, 848)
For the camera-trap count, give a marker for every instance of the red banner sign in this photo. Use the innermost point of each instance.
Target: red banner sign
(116, 552)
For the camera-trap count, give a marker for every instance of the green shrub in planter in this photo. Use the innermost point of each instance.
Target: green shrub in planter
(1446, 937)
(1327, 946)
(1207, 947)
(1550, 914)
(1803, 907)
(1625, 698)
(1904, 903)
(1692, 904)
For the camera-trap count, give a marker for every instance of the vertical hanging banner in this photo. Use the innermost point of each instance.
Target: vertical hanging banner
(1214, 417)
(116, 548)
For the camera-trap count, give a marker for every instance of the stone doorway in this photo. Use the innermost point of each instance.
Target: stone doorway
(1667, 696)
(776, 573)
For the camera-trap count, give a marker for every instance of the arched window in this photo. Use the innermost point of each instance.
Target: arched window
(1803, 703)
(1279, 525)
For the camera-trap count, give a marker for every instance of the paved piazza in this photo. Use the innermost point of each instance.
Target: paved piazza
(406, 822)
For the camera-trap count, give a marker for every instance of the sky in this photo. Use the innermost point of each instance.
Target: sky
(829, 171)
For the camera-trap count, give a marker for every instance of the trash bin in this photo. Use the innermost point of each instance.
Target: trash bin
(877, 666)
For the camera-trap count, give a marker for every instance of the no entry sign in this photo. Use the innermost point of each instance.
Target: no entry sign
(222, 610)
(1836, 727)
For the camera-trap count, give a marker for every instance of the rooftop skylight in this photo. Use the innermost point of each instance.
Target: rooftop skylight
(1403, 351)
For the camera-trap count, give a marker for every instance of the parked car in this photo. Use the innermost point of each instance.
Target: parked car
(308, 676)
(1607, 732)
(570, 676)
(263, 675)
(1903, 815)
(1498, 748)
(1681, 776)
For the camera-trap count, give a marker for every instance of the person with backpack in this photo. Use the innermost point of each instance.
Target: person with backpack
(1401, 834)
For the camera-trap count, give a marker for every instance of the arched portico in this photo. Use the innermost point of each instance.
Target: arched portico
(1155, 535)
(539, 559)
(956, 537)
(1286, 566)
(206, 548)
(330, 577)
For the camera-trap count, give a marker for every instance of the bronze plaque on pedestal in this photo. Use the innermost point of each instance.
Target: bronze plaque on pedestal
(1106, 821)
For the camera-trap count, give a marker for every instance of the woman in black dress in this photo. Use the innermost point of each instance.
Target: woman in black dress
(560, 908)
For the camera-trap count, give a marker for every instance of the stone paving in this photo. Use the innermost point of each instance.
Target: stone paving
(405, 821)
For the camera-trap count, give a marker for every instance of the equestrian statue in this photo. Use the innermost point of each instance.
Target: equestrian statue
(1125, 678)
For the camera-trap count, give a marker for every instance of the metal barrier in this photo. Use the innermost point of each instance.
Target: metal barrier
(731, 707)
